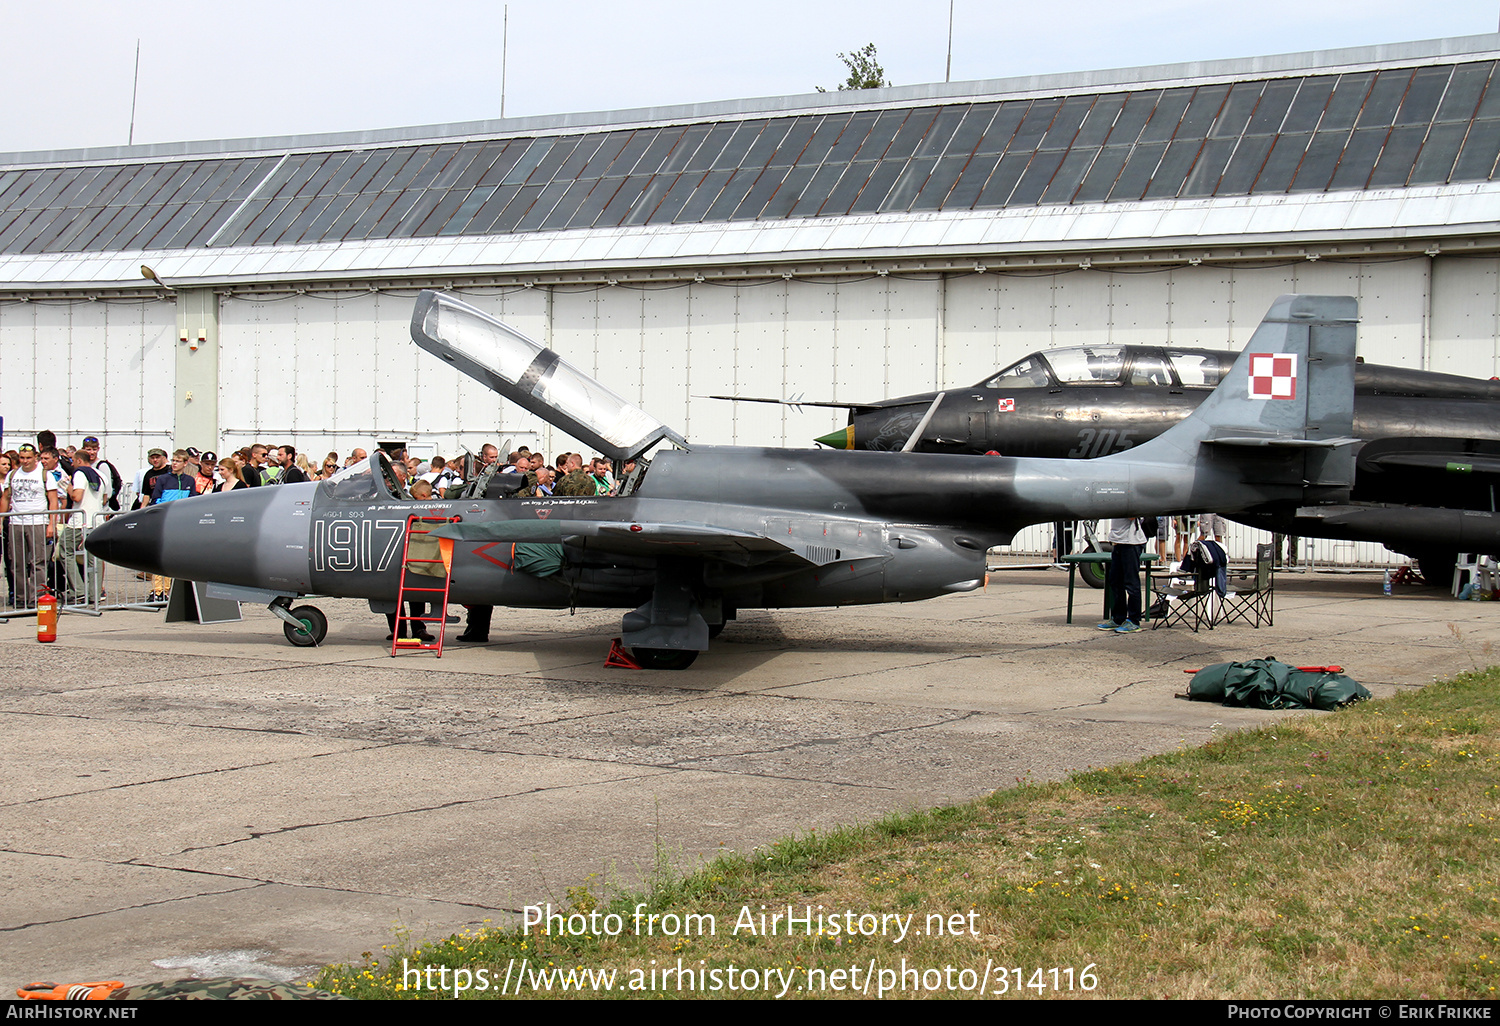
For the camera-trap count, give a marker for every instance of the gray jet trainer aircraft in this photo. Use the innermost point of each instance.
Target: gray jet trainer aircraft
(700, 532)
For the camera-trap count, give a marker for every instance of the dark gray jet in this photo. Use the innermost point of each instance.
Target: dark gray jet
(700, 532)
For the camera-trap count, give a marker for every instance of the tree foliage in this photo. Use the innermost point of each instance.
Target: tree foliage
(865, 71)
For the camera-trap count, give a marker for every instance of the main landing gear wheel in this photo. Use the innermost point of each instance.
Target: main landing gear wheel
(714, 630)
(313, 630)
(664, 658)
(1095, 575)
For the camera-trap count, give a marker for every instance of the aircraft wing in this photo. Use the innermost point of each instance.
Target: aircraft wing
(631, 538)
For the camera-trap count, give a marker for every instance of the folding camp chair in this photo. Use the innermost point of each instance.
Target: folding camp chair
(1250, 597)
(1193, 593)
(1184, 596)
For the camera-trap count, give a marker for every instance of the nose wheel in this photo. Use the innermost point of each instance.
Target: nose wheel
(304, 626)
(312, 627)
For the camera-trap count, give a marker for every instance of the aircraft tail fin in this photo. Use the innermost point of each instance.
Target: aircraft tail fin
(1285, 408)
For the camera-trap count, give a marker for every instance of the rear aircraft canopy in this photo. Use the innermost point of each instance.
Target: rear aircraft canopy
(1115, 365)
(1201, 369)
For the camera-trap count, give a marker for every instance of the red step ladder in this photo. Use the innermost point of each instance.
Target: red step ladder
(439, 615)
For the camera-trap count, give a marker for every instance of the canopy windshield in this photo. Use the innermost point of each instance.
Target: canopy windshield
(369, 480)
(533, 376)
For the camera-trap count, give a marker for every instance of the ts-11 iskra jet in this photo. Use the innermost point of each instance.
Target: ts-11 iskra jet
(700, 532)
(1426, 469)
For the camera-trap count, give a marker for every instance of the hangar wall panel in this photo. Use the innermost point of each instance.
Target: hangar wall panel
(760, 365)
(1199, 309)
(971, 328)
(1466, 316)
(1140, 309)
(657, 360)
(709, 315)
(332, 373)
(812, 340)
(913, 349)
(1251, 291)
(105, 368)
(1080, 306)
(1392, 298)
(869, 357)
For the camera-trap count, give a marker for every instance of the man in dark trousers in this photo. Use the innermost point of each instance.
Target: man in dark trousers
(1127, 543)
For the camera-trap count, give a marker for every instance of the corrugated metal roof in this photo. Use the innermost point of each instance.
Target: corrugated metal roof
(1185, 157)
(1435, 212)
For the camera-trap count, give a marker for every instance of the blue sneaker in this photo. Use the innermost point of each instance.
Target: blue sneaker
(1127, 628)
(1107, 625)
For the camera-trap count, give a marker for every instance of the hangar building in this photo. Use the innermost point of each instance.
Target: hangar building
(835, 246)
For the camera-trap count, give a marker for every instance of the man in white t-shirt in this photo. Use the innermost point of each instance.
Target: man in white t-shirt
(441, 476)
(30, 494)
(1127, 544)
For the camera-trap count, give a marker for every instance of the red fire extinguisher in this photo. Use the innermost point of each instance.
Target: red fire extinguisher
(46, 617)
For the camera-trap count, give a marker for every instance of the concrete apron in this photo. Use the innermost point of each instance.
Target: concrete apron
(183, 799)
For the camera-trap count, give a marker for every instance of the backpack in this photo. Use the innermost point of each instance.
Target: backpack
(94, 496)
(112, 495)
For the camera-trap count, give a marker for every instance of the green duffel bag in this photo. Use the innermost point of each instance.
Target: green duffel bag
(1271, 684)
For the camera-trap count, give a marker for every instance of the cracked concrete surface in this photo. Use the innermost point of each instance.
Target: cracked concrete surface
(180, 795)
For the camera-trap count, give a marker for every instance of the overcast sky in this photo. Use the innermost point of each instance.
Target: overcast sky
(285, 67)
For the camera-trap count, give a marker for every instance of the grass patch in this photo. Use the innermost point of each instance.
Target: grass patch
(1348, 855)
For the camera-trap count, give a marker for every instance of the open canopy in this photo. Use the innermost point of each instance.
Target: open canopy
(534, 377)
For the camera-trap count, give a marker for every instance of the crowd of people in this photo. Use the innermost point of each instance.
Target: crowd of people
(55, 493)
(52, 495)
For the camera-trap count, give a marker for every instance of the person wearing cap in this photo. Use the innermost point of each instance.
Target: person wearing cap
(175, 484)
(147, 478)
(113, 482)
(193, 466)
(31, 494)
(207, 465)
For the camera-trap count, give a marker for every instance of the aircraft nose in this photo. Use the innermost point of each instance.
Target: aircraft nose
(843, 438)
(133, 540)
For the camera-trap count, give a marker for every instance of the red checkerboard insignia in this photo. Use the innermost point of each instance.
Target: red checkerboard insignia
(1273, 376)
(1007, 406)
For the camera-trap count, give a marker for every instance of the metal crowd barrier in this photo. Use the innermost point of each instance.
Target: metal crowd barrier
(1240, 543)
(32, 562)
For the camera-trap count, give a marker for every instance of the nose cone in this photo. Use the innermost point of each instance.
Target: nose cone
(132, 540)
(843, 438)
